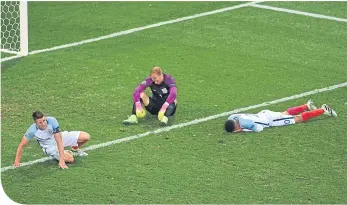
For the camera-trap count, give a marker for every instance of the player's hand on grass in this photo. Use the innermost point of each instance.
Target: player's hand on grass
(63, 165)
(162, 111)
(16, 164)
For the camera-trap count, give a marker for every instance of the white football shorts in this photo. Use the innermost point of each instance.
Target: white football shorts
(277, 118)
(69, 139)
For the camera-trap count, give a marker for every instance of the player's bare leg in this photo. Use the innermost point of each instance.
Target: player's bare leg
(82, 139)
(144, 98)
(68, 156)
(298, 119)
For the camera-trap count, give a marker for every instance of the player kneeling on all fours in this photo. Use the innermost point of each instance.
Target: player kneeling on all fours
(266, 118)
(52, 141)
(162, 102)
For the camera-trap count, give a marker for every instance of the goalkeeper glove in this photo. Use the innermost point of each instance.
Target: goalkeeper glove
(162, 111)
(140, 112)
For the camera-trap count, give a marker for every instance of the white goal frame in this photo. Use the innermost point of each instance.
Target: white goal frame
(23, 38)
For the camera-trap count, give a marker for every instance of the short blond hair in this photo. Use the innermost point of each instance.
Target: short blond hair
(157, 70)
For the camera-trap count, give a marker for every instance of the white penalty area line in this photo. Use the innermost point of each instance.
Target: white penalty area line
(196, 121)
(299, 12)
(144, 28)
(252, 4)
(134, 30)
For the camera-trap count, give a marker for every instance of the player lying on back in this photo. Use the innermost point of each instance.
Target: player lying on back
(266, 118)
(162, 102)
(47, 132)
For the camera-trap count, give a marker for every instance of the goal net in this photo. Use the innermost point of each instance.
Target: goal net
(14, 29)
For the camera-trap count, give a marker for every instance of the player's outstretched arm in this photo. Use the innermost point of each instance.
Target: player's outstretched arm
(24, 142)
(60, 145)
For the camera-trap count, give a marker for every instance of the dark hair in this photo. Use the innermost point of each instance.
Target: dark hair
(37, 115)
(230, 126)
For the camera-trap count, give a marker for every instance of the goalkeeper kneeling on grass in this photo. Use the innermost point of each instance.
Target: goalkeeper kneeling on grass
(162, 102)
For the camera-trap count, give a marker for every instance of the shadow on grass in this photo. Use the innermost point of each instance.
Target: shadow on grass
(9, 64)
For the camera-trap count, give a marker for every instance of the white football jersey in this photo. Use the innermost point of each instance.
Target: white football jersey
(44, 137)
(265, 118)
(251, 122)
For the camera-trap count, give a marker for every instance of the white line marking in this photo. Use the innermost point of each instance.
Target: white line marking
(10, 58)
(196, 121)
(143, 28)
(299, 12)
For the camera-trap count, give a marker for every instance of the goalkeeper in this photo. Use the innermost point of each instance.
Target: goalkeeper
(162, 102)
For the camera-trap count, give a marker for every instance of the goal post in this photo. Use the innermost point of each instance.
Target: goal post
(14, 29)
